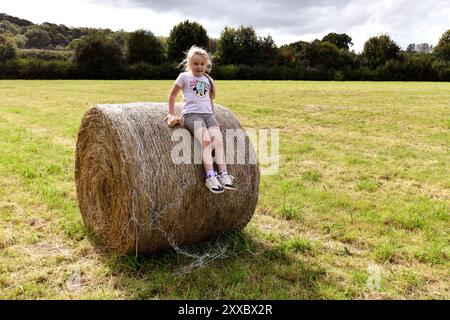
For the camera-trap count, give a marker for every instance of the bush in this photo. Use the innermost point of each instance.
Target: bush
(225, 72)
(245, 72)
(360, 74)
(36, 69)
(442, 70)
(317, 74)
(46, 55)
(9, 70)
(140, 71)
(39, 69)
(410, 67)
(144, 71)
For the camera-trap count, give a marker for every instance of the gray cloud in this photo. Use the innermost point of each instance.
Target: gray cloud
(303, 16)
(359, 18)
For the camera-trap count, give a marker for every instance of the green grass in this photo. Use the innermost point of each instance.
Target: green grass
(363, 180)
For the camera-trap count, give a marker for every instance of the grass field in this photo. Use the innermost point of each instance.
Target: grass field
(359, 209)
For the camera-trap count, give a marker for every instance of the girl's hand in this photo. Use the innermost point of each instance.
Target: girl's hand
(172, 120)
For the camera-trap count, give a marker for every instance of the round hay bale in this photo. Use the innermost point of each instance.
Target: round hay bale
(134, 198)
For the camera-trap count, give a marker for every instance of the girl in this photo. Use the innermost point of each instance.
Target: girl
(198, 107)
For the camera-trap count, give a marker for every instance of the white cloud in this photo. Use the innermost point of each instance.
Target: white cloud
(286, 20)
(83, 13)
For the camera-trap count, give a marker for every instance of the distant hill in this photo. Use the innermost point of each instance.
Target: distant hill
(15, 20)
(47, 35)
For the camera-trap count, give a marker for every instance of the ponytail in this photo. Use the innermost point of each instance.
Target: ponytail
(212, 93)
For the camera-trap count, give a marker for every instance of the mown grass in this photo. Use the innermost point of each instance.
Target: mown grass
(363, 183)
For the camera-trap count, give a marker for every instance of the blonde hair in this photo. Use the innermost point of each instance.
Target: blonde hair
(194, 50)
(186, 63)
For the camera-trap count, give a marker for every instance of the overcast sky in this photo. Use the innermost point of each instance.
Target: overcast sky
(406, 21)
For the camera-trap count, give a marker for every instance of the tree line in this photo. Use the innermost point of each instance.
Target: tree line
(50, 51)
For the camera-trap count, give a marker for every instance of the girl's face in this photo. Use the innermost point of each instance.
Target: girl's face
(198, 65)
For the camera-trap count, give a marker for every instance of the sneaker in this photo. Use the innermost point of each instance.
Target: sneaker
(213, 184)
(227, 181)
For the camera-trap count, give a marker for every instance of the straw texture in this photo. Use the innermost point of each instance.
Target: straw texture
(134, 199)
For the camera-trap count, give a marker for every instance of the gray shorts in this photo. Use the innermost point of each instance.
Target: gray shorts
(197, 120)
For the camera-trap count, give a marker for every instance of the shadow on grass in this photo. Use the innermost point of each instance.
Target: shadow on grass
(246, 269)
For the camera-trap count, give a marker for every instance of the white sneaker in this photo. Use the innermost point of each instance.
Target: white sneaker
(213, 184)
(227, 181)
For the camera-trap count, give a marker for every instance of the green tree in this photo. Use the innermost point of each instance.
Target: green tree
(98, 56)
(240, 46)
(143, 46)
(7, 48)
(227, 46)
(15, 20)
(378, 50)
(121, 37)
(249, 46)
(442, 49)
(37, 38)
(5, 25)
(60, 40)
(269, 53)
(183, 36)
(287, 55)
(74, 44)
(325, 55)
(212, 45)
(163, 40)
(342, 40)
(20, 40)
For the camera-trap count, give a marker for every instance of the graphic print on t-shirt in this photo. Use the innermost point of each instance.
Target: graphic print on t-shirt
(200, 88)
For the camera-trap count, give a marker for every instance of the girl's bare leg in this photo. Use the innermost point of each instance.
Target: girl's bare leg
(217, 143)
(202, 135)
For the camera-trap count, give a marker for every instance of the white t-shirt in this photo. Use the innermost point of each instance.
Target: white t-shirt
(195, 93)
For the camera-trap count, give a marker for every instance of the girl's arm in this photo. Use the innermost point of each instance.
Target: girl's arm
(172, 97)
